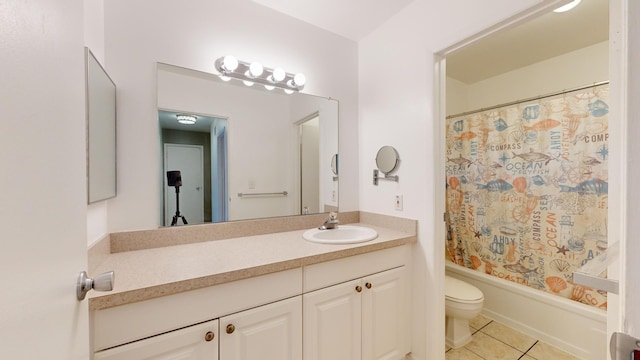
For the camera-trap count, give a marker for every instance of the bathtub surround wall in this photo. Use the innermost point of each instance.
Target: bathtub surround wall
(577, 68)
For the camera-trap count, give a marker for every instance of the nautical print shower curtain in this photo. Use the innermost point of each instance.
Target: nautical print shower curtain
(527, 191)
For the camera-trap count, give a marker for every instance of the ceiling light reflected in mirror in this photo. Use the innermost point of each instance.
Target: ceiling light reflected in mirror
(186, 119)
(567, 7)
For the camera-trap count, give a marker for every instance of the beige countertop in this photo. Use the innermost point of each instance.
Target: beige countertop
(150, 273)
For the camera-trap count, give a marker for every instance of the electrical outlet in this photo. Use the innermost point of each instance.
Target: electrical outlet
(252, 184)
(399, 202)
(333, 195)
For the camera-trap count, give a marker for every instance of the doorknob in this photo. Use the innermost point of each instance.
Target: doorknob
(102, 282)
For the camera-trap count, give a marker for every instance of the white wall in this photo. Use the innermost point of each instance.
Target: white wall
(138, 34)
(396, 108)
(94, 39)
(457, 97)
(581, 67)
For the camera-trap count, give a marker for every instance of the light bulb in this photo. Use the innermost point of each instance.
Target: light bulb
(567, 7)
(299, 79)
(269, 87)
(248, 83)
(279, 74)
(255, 69)
(230, 63)
(224, 78)
(288, 92)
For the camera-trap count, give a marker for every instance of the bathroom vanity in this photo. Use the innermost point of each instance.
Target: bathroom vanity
(269, 296)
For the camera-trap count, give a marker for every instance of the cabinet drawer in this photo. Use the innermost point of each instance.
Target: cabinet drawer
(333, 272)
(135, 321)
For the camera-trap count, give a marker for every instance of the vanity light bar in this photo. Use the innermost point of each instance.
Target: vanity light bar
(254, 72)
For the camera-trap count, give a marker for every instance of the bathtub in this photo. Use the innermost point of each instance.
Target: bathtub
(563, 323)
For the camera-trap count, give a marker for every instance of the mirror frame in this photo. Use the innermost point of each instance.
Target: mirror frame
(100, 107)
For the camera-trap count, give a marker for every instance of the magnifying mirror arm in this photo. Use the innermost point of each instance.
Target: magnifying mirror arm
(377, 177)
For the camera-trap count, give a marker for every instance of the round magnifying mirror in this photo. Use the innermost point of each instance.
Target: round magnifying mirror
(387, 159)
(334, 164)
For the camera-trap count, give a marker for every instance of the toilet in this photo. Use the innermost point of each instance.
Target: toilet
(462, 303)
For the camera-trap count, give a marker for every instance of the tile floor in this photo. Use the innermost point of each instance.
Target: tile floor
(492, 340)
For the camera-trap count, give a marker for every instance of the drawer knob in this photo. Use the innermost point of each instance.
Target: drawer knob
(358, 288)
(209, 336)
(368, 285)
(230, 329)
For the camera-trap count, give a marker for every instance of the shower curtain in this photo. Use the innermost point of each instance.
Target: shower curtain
(526, 191)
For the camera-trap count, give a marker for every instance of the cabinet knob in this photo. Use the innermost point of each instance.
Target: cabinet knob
(230, 329)
(209, 336)
(358, 288)
(368, 285)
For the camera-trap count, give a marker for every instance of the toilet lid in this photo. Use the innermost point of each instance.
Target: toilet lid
(460, 290)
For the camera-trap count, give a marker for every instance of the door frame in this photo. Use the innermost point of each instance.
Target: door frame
(301, 123)
(619, 316)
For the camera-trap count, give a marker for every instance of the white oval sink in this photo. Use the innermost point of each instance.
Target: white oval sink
(343, 234)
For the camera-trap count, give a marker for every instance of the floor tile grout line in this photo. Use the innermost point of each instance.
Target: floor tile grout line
(534, 344)
(482, 327)
(529, 349)
(509, 345)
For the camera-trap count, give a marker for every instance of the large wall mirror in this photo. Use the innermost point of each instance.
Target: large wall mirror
(101, 131)
(243, 152)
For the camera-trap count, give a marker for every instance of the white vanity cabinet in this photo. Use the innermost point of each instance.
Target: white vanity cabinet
(351, 308)
(265, 311)
(198, 342)
(365, 318)
(361, 319)
(272, 331)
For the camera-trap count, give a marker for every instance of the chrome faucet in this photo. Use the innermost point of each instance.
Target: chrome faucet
(331, 223)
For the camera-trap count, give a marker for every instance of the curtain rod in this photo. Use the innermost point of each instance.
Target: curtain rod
(531, 99)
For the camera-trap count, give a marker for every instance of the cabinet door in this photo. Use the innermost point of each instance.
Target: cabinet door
(198, 342)
(385, 316)
(332, 328)
(272, 331)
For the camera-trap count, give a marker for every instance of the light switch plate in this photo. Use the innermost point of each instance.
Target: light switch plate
(398, 203)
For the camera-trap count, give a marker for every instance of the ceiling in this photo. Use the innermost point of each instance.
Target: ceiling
(168, 120)
(352, 19)
(547, 36)
(541, 38)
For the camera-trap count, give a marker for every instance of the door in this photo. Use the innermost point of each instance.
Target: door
(189, 160)
(272, 331)
(385, 319)
(310, 166)
(42, 160)
(332, 322)
(198, 342)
